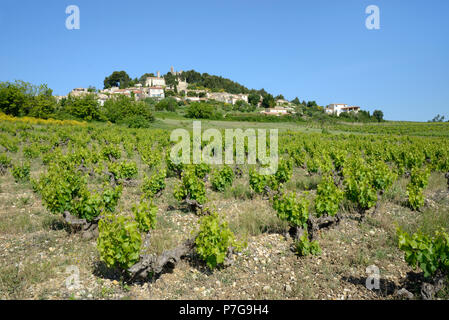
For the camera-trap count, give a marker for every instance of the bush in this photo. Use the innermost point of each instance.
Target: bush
(111, 151)
(173, 168)
(329, 197)
(123, 109)
(419, 179)
(242, 106)
(85, 107)
(304, 247)
(14, 99)
(66, 190)
(284, 172)
(5, 163)
(145, 215)
(21, 173)
(168, 104)
(58, 188)
(214, 239)
(151, 186)
(259, 182)
(295, 212)
(136, 121)
(415, 197)
(21, 99)
(200, 110)
(431, 254)
(43, 106)
(123, 170)
(191, 187)
(119, 241)
(201, 169)
(222, 178)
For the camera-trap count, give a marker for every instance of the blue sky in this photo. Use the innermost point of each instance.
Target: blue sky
(316, 50)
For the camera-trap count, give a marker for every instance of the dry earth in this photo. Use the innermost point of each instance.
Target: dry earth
(35, 250)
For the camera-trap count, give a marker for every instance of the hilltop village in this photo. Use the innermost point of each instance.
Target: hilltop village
(156, 87)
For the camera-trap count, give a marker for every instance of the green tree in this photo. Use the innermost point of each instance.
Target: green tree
(254, 99)
(85, 107)
(168, 104)
(311, 104)
(280, 97)
(379, 115)
(296, 101)
(43, 106)
(171, 81)
(143, 78)
(124, 109)
(117, 79)
(268, 101)
(200, 110)
(21, 98)
(13, 99)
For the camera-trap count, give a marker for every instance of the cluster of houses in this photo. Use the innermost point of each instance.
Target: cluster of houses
(284, 107)
(155, 87)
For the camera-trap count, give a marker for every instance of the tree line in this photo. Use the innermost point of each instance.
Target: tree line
(20, 98)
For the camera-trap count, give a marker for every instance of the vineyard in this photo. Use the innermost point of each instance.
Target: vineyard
(107, 200)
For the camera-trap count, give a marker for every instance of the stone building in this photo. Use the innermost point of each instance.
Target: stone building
(157, 81)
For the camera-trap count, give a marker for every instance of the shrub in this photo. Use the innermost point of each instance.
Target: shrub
(214, 239)
(85, 107)
(168, 104)
(222, 178)
(121, 108)
(383, 176)
(304, 247)
(258, 182)
(5, 163)
(145, 215)
(419, 179)
(173, 168)
(292, 210)
(111, 151)
(119, 241)
(284, 172)
(58, 188)
(200, 110)
(431, 254)
(123, 170)
(358, 180)
(21, 173)
(415, 197)
(201, 170)
(66, 190)
(136, 121)
(151, 157)
(151, 186)
(329, 197)
(31, 152)
(191, 187)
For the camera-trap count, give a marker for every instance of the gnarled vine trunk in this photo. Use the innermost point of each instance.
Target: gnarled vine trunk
(151, 265)
(88, 229)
